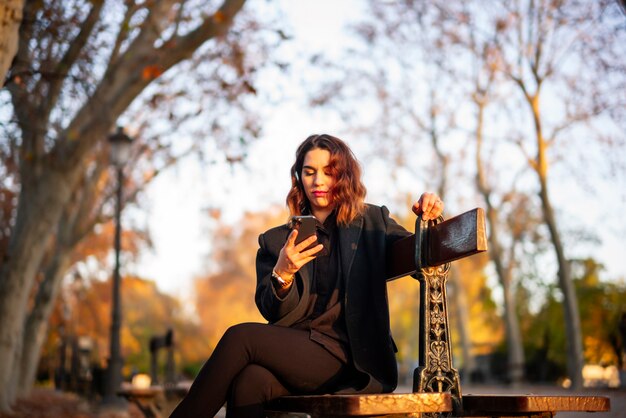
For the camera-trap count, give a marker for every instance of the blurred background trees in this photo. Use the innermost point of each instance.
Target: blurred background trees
(502, 107)
(224, 296)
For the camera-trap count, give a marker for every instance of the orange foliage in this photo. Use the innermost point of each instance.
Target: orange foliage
(218, 17)
(486, 327)
(150, 72)
(146, 312)
(226, 297)
(99, 243)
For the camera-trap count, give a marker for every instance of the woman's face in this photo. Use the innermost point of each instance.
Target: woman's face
(317, 180)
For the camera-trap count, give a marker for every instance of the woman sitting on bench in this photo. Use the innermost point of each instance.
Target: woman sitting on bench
(326, 305)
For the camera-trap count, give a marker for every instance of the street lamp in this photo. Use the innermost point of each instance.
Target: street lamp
(120, 154)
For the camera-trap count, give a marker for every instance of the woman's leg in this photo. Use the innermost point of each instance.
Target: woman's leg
(294, 362)
(254, 386)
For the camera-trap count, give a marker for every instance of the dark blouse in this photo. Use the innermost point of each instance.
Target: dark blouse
(324, 316)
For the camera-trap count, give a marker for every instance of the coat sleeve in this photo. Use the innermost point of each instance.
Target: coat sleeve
(271, 306)
(394, 231)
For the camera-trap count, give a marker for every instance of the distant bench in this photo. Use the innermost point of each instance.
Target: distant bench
(436, 384)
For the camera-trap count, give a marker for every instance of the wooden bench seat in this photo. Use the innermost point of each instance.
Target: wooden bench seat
(413, 404)
(391, 404)
(531, 405)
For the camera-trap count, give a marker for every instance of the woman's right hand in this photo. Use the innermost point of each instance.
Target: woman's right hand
(292, 257)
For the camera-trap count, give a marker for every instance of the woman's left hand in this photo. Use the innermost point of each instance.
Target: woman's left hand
(429, 205)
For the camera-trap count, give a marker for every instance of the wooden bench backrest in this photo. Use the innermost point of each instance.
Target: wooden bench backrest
(441, 243)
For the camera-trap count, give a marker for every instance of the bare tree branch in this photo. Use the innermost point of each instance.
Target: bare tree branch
(71, 55)
(124, 30)
(126, 79)
(212, 27)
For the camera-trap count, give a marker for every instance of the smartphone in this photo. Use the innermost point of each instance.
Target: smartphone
(305, 226)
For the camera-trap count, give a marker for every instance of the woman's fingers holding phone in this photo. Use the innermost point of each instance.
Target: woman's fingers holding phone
(292, 257)
(304, 244)
(311, 252)
(291, 238)
(291, 245)
(308, 255)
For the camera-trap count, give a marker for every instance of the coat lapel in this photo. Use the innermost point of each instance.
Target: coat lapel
(348, 243)
(305, 275)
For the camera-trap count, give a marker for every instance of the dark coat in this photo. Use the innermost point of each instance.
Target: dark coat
(363, 245)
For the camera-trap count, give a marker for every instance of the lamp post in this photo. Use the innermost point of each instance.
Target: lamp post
(120, 153)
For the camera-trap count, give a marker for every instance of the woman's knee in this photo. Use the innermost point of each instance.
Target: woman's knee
(256, 384)
(241, 332)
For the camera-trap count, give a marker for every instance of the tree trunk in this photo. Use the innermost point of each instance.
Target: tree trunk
(515, 349)
(573, 328)
(36, 327)
(48, 178)
(75, 223)
(10, 19)
(41, 203)
(570, 302)
(39, 208)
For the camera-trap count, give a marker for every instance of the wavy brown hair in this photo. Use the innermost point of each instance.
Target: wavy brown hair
(348, 193)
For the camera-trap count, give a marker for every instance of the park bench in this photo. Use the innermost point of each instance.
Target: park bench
(436, 384)
(150, 400)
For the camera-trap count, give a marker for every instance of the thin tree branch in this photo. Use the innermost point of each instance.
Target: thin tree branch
(581, 117)
(122, 35)
(71, 55)
(179, 17)
(531, 161)
(212, 27)
(22, 63)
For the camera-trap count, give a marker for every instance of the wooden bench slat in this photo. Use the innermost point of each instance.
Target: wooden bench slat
(458, 237)
(364, 405)
(478, 405)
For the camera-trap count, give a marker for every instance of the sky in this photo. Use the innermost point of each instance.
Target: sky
(178, 201)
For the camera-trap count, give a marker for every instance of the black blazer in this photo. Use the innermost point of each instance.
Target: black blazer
(364, 245)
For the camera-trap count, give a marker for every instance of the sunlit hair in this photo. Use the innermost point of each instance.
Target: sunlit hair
(347, 194)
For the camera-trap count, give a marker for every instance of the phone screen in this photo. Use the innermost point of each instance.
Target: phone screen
(305, 226)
